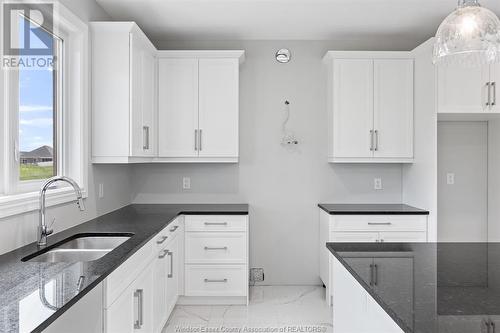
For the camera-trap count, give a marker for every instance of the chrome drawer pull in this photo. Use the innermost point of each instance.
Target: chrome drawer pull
(379, 223)
(162, 240)
(139, 294)
(174, 228)
(215, 223)
(171, 274)
(215, 248)
(163, 254)
(215, 281)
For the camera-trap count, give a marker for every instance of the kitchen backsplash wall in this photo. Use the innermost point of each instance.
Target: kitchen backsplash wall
(282, 185)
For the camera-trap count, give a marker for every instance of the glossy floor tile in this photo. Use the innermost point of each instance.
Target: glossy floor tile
(280, 309)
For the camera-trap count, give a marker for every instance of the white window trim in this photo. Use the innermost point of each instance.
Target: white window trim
(75, 141)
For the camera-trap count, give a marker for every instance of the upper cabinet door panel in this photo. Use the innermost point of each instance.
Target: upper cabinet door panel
(142, 96)
(178, 107)
(462, 89)
(218, 107)
(352, 108)
(393, 108)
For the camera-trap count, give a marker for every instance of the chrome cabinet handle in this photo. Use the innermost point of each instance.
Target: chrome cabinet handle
(376, 140)
(371, 140)
(494, 88)
(215, 281)
(139, 294)
(174, 228)
(488, 86)
(171, 273)
(488, 323)
(163, 254)
(215, 248)
(162, 240)
(201, 139)
(379, 223)
(196, 140)
(375, 269)
(215, 223)
(371, 275)
(145, 138)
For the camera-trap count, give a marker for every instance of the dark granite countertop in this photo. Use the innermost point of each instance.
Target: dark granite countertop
(371, 209)
(429, 287)
(21, 283)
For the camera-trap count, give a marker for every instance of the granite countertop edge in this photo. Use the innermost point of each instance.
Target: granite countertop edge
(369, 290)
(371, 209)
(170, 215)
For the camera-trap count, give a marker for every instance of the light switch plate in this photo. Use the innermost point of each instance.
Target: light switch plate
(101, 191)
(377, 183)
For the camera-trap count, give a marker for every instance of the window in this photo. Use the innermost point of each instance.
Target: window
(44, 120)
(38, 114)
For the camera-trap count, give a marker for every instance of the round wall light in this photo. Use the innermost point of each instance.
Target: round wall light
(283, 56)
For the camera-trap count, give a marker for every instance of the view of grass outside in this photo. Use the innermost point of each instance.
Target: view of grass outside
(32, 171)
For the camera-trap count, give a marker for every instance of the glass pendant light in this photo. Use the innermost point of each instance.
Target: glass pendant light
(470, 36)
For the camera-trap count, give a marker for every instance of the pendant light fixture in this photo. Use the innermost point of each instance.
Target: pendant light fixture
(469, 36)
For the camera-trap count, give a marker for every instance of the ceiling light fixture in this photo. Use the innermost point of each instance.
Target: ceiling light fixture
(469, 36)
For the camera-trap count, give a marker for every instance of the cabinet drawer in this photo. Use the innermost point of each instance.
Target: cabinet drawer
(216, 248)
(379, 223)
(216, 222)
(216, 280)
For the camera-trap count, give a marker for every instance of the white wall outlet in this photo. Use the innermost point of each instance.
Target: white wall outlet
(186, 183)
(101, 191)
(377, 183)
(450, 178)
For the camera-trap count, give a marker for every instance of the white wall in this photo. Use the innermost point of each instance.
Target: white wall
(21, 229)
(463, 208)
(493, 180)
(420, 177)
(282, 187)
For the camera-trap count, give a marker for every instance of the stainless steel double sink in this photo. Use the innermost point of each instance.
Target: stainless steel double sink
(80, 247)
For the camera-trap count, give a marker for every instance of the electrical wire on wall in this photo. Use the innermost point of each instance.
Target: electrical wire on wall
(288, 136)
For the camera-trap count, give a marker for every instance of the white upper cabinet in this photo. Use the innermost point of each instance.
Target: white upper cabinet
(199, 106)
(123, 93)
(465, 89)
(353, 101)
(370, 106)
(178, 107)
(393, 108)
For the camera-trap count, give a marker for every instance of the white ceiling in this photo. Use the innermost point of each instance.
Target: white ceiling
(285, 19)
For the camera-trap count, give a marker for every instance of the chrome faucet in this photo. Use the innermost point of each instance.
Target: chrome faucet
(43, 230)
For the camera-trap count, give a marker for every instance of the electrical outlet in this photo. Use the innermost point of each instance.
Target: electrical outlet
(450, 178)
(377, 183)
(101, 191)
(257, 274)
(186, 183)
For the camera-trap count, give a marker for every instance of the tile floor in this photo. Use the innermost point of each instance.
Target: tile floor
(273, 309)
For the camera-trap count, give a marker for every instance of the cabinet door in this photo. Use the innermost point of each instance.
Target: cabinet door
(393, 108)
(352, 108)
(359, 237)
(160, 290)
(178, 107)
(132, 312)
(218, 107)
(173, 273)
(142, 96)
(462, 89)
(404, 237)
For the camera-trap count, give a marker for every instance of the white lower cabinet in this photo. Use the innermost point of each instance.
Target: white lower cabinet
(216, 259)
(132, 311)
(355, 311)
(140, 294)
(364, 229)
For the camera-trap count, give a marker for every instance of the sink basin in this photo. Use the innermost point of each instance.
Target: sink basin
(79, 248)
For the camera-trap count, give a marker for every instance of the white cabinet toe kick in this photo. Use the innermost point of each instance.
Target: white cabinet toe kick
(196, 259)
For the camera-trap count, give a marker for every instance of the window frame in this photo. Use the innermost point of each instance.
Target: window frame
(72, 123)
